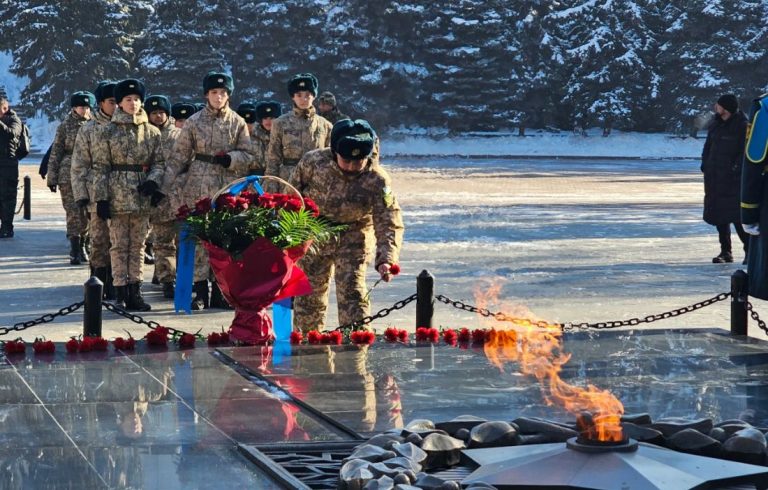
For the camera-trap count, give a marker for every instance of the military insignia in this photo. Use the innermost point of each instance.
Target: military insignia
(301, 84)
(221, 80)
(269, 109)
(183, 111)
(389, 198)
(154, 102)
(355, 152)
(130, 85)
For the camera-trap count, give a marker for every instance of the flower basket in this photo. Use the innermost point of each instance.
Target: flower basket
(253, 241)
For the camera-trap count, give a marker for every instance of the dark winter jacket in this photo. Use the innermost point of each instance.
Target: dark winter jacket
(10, 132)
(721, 163)
(334, 115)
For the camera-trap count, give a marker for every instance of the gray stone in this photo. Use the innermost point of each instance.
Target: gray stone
(637, 418)
(371, 453)
(442, 451)
(418, 425)
(406, 487)
(670, 426)
(383, 440)
(401, 479)
(463, 434)
(428, 482)
(414, 439)
(410, 451)
(382, 483)
(480, 486)
(403, 464)
(450, 485)
(461, 422)
(642, 434)
(733, 422)
(493, 434)
(554, 432)
(719, 434)
(381, 469)
(527, 439)
(354, 474)
(746, 441)
(731, 429)
(748, 416)
(691, 440)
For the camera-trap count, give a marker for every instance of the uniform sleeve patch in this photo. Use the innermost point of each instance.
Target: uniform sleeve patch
(389, 198)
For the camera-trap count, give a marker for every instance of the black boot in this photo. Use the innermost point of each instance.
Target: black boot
(82, 252)
(121, 293)
(109, 287)
(217, 299)
(169, 290)
(725, 256)
(135, 300)
(74, 251)
(101, 274)
(200, 301)
(155, 279)
(149, 253)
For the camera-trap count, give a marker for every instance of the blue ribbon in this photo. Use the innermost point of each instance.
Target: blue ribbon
(185, 267)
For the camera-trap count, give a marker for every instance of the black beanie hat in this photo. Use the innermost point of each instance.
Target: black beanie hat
(182, 110)
(268, 108)
(302, 81)
(729, 102)
(82, 99)
(352, 139)
(129, 86)
(247, 111)
(327, 98)
(216, 79)
(104, 90)
(156, 103)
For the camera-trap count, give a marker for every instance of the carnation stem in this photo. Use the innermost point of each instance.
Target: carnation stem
(367, 297)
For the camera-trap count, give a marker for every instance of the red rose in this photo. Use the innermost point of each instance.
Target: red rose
(296, 337)
(226, 201)
(336, 337)
(251, 197)
(465, 335)
(203, 205)
(183, 212)
(402, 335)
(266, 201)
(72, 346)
(450, 336)
(313, 337)
(394, 269)
(311, 207)
(390, 334)
(478, 336)
(214, 338)
(186, 341)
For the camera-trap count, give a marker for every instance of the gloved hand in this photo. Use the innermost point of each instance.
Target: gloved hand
(82, 203)
(102, 210)
(156, 198)
(148, 188)
(52, 188)
(223, 159)
(751, 228)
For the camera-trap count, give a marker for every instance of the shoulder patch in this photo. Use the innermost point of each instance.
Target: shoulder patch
(387, 196)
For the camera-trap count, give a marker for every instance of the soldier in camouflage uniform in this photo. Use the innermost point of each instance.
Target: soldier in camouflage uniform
(216, 142)
(82, 184)
(128, 169)
(353, 190)
(163, 217)
(326, 107)
(297, 132)
(180, 112)
(59, 172)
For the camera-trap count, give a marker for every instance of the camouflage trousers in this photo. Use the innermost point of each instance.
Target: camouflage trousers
(76, 218)
(128, 233)
(98, 231)
(347, 263)
(165, 250)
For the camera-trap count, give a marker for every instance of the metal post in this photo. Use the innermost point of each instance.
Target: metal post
(425, 299)
(739, 299)
(27, 198)
(94, 289)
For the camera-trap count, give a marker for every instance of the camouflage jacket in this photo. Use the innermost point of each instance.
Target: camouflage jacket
(294, 134)
(205, 134)
(334, 115)
(260, 143)
(364, 202)
(82, 159)
(62, 147)
(128, 153)
(167, 208)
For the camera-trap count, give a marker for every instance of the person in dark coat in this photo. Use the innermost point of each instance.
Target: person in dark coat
(10, 132)
(721, 164)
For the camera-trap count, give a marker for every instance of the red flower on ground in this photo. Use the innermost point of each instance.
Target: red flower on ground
(296, 337)
(402, 336)
(314, 337)
(85, 344)
(336, 337)
(478, 336)
(465, 335)
(158, 337)
(450, 336)
(99, 344)
(124, 344)
(224, 337)
(424, 334)
(325, 338)
(42, 346)
(72, 346)
(187, 341)
(391, 334)
(214, 338)
(362, 337)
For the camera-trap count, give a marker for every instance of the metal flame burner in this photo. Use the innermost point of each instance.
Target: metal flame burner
(592, 446)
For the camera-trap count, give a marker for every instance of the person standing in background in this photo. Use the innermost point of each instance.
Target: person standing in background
(10, 133)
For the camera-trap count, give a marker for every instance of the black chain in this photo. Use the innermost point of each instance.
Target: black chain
(138, 319)
(21, 206)
(47, 318)
(756, 317)
(567, 326)
(379, 314)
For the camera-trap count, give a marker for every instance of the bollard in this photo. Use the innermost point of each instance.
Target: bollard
(425, 299)
(27, 203)
(94, 289)
(739, 299)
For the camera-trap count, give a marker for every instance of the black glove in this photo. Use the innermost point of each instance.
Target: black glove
(102, 210)
(148, 188)
(222, 159)
(81, 203)
(52, 188)
(156, 198)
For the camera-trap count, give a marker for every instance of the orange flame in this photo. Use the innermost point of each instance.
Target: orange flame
(538, 348)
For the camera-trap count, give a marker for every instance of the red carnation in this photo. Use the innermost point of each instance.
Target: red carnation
(362, 337)
(99, 344)
(478, 336)
(226, 201)
(433, 335)
(450, 336)
(203, 205)
(224, 337)
(183, 212)
(42, 346)
(336, 337)
(85, 344)
(311, 207)
(390, 334)
(325, 338)
(186, 341)
(465, 335)
(296, 337)
(421, 334)
(313, 337)
(251, 197)
(158, 337)
(124, 344)
(402, 335)
(214, 338)
(130, 343)
(72, 346)
(394, 269)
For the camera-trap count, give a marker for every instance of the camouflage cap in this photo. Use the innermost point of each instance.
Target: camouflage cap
(82, 99)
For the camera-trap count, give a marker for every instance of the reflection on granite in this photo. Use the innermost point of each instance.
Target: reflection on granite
(691, 373)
